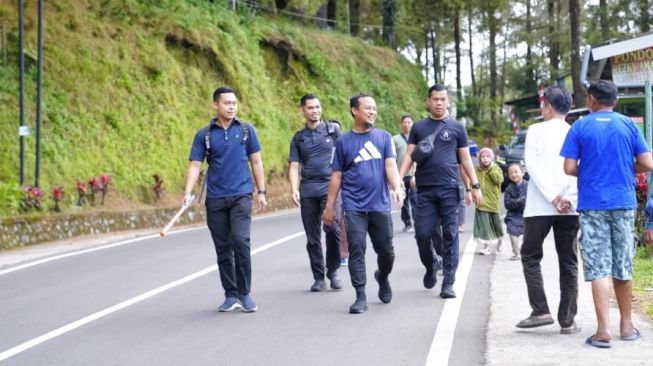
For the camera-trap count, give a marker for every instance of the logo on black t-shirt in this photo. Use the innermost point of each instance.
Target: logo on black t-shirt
(368, 152)
(445, 135)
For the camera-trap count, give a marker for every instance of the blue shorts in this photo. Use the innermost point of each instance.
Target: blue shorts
(607, 244)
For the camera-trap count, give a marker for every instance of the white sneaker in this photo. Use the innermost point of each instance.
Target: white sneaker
(499, 246)
(485, 251)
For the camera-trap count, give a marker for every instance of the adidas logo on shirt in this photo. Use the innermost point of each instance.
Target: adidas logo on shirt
(368, 152)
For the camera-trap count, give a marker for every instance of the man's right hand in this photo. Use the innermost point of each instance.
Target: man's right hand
(188, 199)
(329, 216)
(295, 198)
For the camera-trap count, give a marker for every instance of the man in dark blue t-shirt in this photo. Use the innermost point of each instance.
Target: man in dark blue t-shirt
(439, 187)
(363, 164)
(228, 144)
(311, 148)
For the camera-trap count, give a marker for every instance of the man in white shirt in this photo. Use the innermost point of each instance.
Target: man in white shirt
(550, 203)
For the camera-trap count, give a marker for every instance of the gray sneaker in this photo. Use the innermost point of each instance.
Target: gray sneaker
(249, 306)
(229, 304)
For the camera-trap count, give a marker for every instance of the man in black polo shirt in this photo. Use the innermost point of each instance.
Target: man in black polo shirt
(439, 187)
(311, 149)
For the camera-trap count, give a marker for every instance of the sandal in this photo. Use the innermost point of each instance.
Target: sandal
(633, 337)
(597, 342)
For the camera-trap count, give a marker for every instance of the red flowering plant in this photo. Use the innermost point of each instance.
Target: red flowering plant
(31, 198)
(104, 185)
(96, 187)
(57, 196)
(157, 187)
(81, 192)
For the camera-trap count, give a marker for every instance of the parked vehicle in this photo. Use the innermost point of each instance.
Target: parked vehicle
(511, 154)
(473, 147)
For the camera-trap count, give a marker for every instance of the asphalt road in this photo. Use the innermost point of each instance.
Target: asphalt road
(153, 302)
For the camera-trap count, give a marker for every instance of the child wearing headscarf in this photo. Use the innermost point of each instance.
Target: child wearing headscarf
(488, 227)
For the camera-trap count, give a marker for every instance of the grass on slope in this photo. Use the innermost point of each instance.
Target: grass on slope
(126, 85)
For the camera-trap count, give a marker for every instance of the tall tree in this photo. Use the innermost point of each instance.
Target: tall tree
(553, 38)
(389, 22)
(530, 64)
(574, 20)
(456, 39)
(354, 16)
(493, 27)
(644, 20)
(604, 21)
(470, 13)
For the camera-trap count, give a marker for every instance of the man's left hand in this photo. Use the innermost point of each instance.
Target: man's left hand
(477, 196)
(648, 236)
(262, 202)
(398, 196)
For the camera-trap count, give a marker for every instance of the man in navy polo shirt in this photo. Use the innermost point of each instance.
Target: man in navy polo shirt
(311, 148)
(231, 144)
(439, 185)
(363, 164)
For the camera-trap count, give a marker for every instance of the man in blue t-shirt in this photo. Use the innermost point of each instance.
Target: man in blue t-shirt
(439, 188)
(311, 149)
(604, 150)
(228, 144)
(364, 163)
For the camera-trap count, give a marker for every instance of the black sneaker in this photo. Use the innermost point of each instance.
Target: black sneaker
(447, 292)
(385, 291)
(318, 285)
(336, 284)
(430, 279)
(359, 306)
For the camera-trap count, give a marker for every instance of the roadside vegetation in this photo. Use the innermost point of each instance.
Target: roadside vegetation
(128, 82)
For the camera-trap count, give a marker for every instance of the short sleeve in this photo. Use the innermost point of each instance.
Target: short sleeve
(570, 148)
(462, 136)
(639, 143)
(198, 149)
(338, 156)
(412, 136)
(253, 145)
(293, 156)
(389, 151)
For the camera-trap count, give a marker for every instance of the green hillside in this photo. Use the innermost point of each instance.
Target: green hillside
(126, 85)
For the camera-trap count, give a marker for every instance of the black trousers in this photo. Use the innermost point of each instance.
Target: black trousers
(565, 230)
(230, 220)
(436, 228)
(379, 227)
(311, 211)
(409, 208)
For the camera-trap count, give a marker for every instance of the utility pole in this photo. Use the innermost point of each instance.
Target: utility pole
(39, 84)
(22, 131)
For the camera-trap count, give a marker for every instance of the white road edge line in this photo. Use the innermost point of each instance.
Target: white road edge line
(440, 350)
(134, 300)
(113, 245)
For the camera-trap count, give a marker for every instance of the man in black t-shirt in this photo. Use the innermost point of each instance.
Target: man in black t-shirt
(439, 187)
(311, 148)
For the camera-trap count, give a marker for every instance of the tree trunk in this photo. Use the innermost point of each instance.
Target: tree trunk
(503, 70)
(332, 14)
(554, 57)
(389, 22)
(644, 19)
(604, 22)
(574, 18)
(434, 56)
(530, 69)
(427, 67)
(456, 38)
(354, 16)
(471, 47)
(493, 28)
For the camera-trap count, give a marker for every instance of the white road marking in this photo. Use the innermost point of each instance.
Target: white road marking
(134, 300)
(440, 350)
(117, 244)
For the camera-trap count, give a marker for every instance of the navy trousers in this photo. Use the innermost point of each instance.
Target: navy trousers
(379, 226)
(311, 211)
(437, 207)
(230, 220)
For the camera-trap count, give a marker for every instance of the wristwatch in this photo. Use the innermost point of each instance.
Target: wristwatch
(476, 186)
(262, 191)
